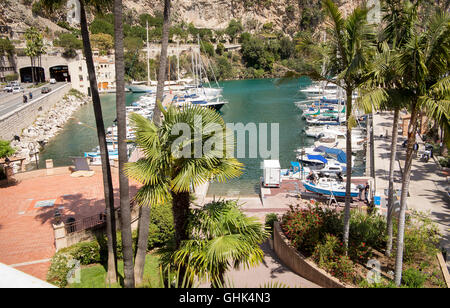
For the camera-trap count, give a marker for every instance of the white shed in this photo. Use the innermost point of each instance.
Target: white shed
(271, 176)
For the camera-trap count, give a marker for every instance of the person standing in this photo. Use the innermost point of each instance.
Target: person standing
(366, 193)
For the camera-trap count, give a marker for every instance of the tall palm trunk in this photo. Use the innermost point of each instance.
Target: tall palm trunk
(405, 188)
(180, 208)
(390, 206)
(106, 170)
(32, 70)
(125, 211)
(348, 198)
(142, 244)
(144, 220)
(162, 60)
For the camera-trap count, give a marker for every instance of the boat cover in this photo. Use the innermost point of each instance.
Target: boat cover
(318, 157)
(340, 155)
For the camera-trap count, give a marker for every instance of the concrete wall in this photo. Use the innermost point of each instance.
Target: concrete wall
(14, 122)
(299, 265)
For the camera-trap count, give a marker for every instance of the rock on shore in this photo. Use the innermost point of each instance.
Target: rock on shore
(46, 126)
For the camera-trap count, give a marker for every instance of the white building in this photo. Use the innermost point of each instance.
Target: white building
(73, 12)
(105, 73)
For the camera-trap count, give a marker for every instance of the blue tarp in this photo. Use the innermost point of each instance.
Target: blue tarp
(340, 155)
(318, 157)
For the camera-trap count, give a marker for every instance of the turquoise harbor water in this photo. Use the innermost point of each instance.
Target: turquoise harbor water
(250, 101)
(75, 139)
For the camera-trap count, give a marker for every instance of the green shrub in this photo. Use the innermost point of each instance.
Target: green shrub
(59, 268)
(367, 232)
(271, 218)
(64, 260)
(162, 228)
(413, 278)
(421, 237)
(445, 162)
(329, 256)
(302, 228)
(86, 252)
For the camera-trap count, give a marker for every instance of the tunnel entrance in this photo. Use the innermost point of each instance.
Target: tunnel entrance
(26, 74)
(60, 73)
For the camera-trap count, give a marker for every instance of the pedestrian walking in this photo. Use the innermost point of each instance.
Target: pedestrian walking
(25, 99)
(416, 149)
(366, 193)
(361, 189)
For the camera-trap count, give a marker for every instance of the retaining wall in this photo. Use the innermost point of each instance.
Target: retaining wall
(299, 265)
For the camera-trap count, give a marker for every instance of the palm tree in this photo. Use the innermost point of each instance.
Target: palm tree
(423, 62)
(99, 5)
(172, 165)
(144, 217)
(221, 237)
(348, 51)
(383, 89)
(124, 188)
(33, 38)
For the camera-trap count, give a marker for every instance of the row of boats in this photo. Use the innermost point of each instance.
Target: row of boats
(321, 167)
(188, 95)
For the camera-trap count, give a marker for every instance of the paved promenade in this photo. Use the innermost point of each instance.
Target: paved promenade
(427, 187)
(26, 232)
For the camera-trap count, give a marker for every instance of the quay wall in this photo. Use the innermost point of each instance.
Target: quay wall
(14, 122)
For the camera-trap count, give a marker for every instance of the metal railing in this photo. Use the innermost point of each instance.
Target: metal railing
(85, 223)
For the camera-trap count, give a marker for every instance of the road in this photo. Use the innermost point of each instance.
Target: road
(11, 101)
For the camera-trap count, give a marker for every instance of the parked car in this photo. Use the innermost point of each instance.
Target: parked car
(52, 80)
(45, 90)
(16, 89)
(8, 88)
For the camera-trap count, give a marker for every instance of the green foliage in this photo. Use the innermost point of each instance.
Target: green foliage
(329, 255)
(221, 237)
(445, 162)
(153, 21)
(12, 77)
(208, 48)
(302, 227)
(86, 252)
(220, 49)
(271, 218)
(224, 69)
(103, 42)
(63, 261)
(161, 226)
(102, 24)
(413, 278)
(421, 237)
(6, 47)
(163, 172)
(6, 149)
(69, 53)
(234, 29)
(68, 41)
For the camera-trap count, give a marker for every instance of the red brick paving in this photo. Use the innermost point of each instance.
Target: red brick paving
(26, 233)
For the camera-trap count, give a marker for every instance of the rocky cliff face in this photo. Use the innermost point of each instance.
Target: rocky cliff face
(285, 15)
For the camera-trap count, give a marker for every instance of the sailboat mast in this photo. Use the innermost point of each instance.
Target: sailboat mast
(193, 67)
(148, 59)
(178, 60)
